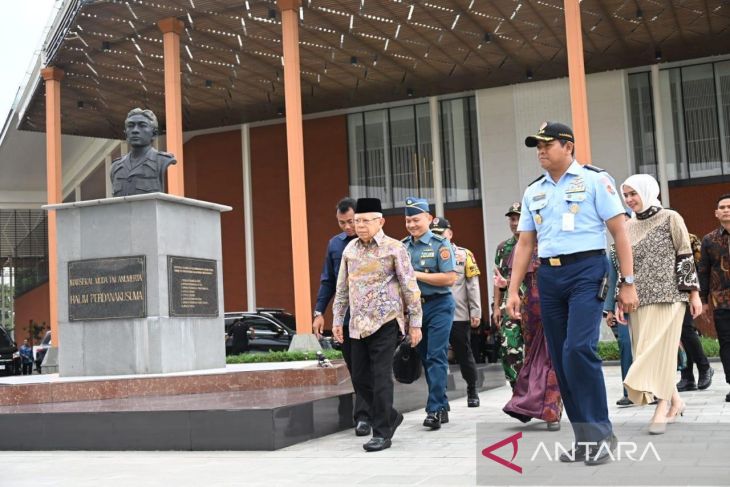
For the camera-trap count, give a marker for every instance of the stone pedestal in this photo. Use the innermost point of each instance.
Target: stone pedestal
(140, 285)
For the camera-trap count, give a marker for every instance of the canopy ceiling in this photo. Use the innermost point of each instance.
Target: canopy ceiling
(353, 52)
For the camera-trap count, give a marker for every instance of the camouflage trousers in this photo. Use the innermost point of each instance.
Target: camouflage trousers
(511, 346)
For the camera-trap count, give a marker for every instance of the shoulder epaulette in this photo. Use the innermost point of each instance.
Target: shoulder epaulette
(440, 238)
(594, 168)
(117, 159)
(406, 239)
(536, 180)
(166, 154)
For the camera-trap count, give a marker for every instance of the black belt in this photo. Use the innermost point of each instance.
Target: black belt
(559, 260)
(431, 297)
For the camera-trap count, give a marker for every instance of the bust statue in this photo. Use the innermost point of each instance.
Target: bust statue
(143, 168)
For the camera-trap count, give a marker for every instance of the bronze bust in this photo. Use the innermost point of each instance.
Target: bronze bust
(143, 168)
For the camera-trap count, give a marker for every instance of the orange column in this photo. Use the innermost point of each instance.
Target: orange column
(171, 29)
(577, 77)
(52, 77)
(295, 153)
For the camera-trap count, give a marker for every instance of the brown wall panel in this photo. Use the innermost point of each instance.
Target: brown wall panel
(32, 306)
(325, 160)
(213, 172)
(697, 205)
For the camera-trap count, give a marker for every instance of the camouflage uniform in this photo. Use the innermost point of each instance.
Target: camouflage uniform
(511, 344)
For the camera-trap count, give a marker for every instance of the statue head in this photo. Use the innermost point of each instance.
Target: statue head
(140, 127)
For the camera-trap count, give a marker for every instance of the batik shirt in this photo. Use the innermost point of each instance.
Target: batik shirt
(378, 283)
(714, 269)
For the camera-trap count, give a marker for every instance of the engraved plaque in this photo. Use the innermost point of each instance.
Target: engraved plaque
(192, 286)
(109, 288)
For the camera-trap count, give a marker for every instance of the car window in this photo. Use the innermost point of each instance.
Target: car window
(286, 318)
(5, 340)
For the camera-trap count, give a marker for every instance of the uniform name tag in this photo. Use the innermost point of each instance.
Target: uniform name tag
(539, 197)
(568, 222)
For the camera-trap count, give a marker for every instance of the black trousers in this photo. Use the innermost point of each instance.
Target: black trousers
(722, 325)
(693, 347)
(372, 376)
(460, 340)
(27, 368)
(361, 411)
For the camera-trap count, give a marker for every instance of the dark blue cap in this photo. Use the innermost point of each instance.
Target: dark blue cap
(414, 206)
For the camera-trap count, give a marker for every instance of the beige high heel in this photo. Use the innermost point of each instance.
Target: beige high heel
(671, 418)
(657, 428)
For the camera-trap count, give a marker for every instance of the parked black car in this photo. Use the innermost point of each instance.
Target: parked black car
(268, 329)
(9, 356)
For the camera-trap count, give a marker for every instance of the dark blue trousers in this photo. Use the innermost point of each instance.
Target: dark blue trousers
(438, 314)
(571, 316)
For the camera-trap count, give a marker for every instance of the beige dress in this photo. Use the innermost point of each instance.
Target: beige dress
(664, 272)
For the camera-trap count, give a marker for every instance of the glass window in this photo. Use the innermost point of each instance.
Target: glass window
(722, 76)
(391, 154)
(696, 120)
(642, 123)
(700, 121)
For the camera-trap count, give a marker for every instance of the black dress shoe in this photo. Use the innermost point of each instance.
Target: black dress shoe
(705, 379)
(433, 420)
(398, 421)
(472, 399)
(577, 454)
(685, 385)
(377, 444)
(624, 401)
(727, 398)
(444, 416)
(601, 453)
(362, 428)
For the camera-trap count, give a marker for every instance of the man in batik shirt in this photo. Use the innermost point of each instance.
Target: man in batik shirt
(377, 282)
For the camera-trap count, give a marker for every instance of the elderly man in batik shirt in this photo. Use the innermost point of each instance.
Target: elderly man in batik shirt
(377, 282)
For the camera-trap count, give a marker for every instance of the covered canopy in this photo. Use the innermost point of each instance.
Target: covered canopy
(353, 52)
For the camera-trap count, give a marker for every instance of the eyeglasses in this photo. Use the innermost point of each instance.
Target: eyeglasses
(365, 221)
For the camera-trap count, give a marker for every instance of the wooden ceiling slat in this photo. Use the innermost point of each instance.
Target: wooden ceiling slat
(400, 47)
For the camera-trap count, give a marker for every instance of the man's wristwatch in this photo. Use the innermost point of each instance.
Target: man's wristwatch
(317, 313)
(626, 280)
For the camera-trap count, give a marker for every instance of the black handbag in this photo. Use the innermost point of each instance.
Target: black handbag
(406, 362)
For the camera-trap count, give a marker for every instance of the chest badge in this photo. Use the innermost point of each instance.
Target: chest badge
(538, 219)
(574, 208)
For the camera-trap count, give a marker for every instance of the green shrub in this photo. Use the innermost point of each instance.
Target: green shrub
(711, 346)
(250, 358)
(608, 350)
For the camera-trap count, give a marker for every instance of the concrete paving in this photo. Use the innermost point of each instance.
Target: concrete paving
(418, 457)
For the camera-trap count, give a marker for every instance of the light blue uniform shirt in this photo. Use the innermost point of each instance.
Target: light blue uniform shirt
(433, 254)
(587, 193)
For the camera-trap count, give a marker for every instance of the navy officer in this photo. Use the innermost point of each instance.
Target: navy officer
(433, 260)
(565, 212)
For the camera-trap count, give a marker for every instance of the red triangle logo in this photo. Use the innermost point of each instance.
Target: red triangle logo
(487, 452)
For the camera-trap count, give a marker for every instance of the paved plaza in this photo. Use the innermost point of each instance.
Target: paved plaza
(418, 457)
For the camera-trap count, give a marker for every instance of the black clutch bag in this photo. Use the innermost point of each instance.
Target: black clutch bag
(406, 362)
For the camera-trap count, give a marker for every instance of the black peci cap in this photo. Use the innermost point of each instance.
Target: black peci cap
(368, 205)
(438, 225)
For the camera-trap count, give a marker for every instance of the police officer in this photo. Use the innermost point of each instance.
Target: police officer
(433, 260)
(468, 309)
(142, 170)
(565, 212)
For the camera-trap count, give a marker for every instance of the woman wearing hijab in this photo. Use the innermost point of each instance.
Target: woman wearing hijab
(666, 280)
